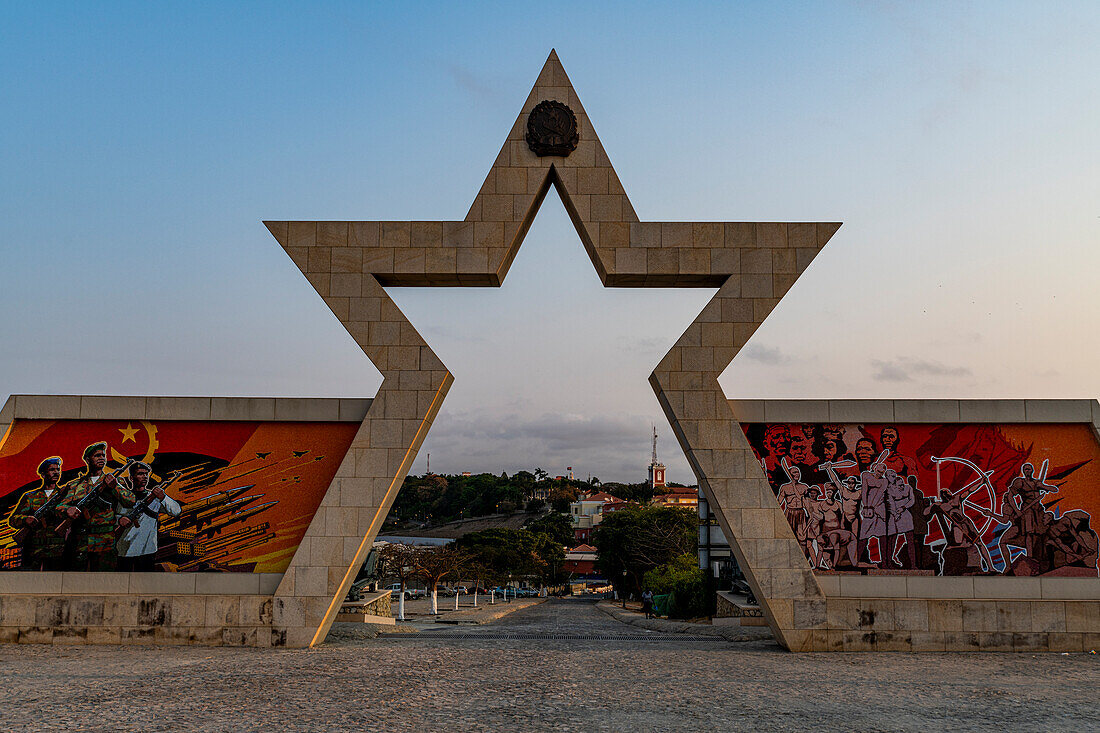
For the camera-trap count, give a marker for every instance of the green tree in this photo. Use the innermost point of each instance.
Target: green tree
(556, 526)
(562, 494)
(515, 552)
(640, 492)
(638, 539)
(399, 561)
(688, 586)
(435, 563)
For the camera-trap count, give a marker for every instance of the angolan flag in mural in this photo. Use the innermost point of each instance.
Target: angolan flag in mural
(238, 496)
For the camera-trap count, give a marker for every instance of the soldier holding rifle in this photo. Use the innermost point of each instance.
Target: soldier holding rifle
(93, 496)
(137, 528)
(34, 517)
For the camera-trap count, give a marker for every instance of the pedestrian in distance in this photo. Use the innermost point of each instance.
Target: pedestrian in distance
(647, 603)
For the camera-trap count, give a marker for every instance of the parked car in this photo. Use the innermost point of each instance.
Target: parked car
(410, 593)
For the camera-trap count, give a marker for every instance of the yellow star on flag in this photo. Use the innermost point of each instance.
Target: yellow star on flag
(129, 433)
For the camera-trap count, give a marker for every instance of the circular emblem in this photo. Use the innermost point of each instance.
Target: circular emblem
(552, 129)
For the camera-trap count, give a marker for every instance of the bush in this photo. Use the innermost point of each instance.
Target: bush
(687, 583)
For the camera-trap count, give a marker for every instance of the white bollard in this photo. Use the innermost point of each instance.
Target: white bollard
(492, 597)
(401, 606)
(456, 599)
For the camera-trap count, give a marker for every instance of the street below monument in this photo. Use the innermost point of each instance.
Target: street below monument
(560, 665)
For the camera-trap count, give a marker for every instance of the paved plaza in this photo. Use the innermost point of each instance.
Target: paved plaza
(559, 665)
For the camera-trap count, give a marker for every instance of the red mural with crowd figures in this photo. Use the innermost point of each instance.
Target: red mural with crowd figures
(937, 499)
(171, 496)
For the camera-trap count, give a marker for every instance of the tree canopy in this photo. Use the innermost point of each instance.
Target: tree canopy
(557, 526)
(638, 539)
(519, 553)
(437, 499)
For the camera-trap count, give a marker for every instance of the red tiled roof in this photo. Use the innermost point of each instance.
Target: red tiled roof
(679, 498)
(600, 496)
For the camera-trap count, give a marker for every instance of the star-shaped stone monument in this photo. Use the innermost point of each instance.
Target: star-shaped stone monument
(753, 264)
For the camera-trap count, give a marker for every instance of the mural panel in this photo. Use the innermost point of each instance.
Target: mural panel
(946, 499)
(162, 496)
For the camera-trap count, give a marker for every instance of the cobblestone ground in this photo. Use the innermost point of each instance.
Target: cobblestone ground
(560, 665)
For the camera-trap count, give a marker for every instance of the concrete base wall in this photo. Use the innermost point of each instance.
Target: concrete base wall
(922, 613)
(889, 624)
(231, 609)
(239, 609)
(129, 619)
(897, 612)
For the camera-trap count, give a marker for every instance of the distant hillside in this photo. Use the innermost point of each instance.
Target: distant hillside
(456, 529)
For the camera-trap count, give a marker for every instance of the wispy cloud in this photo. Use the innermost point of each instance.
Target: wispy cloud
(906, 369)
(613, 447)
(470, 82)
(770, 355)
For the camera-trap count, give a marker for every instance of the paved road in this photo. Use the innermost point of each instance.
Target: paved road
(447, 680)
(555, 623)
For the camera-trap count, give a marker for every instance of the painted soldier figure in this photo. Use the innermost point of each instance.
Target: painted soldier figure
(1025, 494)
(837, 541)
(900, 497)
(43, 549)
(902, 465)
(864, 453)
(1072, 542)
(873, 512)
(137, 545)
(815, 502)
(94, 538)
(848, 493)
(777, 443)
(792, 497)
(958, 528)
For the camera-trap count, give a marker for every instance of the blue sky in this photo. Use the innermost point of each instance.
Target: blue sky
(143, 143)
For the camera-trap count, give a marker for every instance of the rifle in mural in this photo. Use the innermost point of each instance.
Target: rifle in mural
(141, 508)
(24, 533)
(91, 496)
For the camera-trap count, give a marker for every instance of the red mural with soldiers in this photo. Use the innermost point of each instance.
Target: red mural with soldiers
(170, 496)
(939, 499)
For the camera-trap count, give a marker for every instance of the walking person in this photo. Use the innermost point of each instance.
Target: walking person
(647, 603)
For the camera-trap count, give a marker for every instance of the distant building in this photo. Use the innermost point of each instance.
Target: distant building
(587, 512)
(656, 470)
(715, 555)
(685, 497)
(581, 560)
